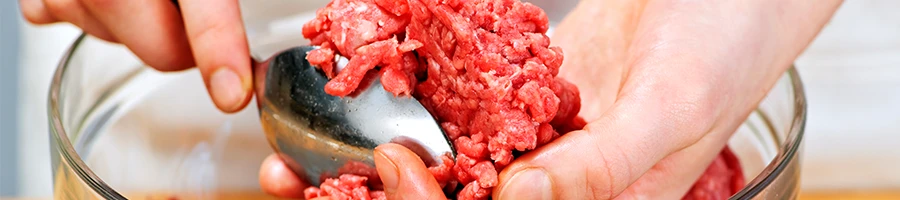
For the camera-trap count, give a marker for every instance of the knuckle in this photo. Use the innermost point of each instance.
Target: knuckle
(690, 112)
(684, 99)
(603, 177)
(601, 186)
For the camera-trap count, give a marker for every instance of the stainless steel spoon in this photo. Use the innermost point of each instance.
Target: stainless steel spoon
(317, 134)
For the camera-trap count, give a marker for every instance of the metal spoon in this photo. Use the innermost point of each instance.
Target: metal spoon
(317, 134)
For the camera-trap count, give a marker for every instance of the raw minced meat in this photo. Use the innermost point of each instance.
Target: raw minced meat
(345, 187)
(484, 68)
(722, 179)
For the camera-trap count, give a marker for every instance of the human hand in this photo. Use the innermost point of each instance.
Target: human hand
(205, 33)
(403, 174)
(664, 84)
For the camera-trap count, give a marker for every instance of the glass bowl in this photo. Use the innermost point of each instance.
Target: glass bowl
(120, 130)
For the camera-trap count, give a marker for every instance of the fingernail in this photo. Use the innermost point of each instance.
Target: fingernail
(533, 183)
(388, 171)
(227, 89)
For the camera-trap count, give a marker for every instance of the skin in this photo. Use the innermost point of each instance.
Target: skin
(664, 84)
(208, 34)
(689, 74)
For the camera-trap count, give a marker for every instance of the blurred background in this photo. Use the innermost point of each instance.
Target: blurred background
(851, 73)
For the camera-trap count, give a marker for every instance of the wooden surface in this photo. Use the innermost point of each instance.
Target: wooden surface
(866, 195)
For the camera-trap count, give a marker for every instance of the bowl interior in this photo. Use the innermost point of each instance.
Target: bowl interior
(122, 129)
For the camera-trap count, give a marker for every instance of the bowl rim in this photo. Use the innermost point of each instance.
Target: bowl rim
(790, 148)
(63, 145)
(65, 149)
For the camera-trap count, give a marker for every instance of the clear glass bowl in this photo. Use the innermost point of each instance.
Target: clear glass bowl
(121, 130)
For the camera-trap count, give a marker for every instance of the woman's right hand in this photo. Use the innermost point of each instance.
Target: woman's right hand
(208, 34)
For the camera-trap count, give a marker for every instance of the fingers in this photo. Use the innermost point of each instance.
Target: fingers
(595, 59)
(216, 34)
(212, 31)
(650, 122)
(690, 80)
(35, 12)
(404, 174)
(666, 103)
(277, 179)
(150, 29)
(49, 11)
(621, 146)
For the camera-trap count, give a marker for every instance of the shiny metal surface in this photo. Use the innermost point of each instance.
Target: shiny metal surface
(317, 134)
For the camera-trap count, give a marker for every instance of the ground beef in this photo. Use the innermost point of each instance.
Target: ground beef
(722, 179)
(345, 187)
(483, 68)
(358, 169)
(370, 36)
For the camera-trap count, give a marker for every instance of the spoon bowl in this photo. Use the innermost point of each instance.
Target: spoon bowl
(321, 136)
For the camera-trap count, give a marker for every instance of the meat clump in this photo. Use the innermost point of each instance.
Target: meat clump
(346, 187)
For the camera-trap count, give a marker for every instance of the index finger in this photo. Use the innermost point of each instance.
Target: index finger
(216, 34)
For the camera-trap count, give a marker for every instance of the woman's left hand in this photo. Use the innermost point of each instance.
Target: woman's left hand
(402, 172)
(664, 85)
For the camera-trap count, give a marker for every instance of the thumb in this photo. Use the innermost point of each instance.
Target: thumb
(404, 174)
(604, 159)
